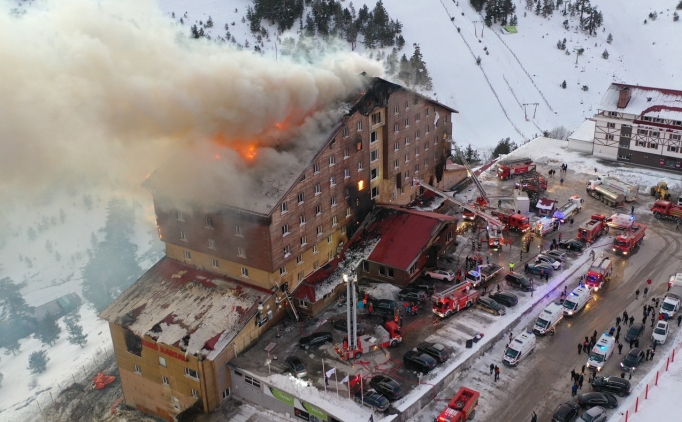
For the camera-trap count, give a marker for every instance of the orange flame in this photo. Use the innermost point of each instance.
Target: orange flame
(247, 150)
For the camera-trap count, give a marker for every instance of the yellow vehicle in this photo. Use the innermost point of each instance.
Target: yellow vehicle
(660, 191)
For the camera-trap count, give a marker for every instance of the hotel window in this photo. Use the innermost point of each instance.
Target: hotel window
(301, 219)
(179, 216)
(335, 221)
(226, 394)
(315, 249)
(330, 238)
(316, 168)
(642, 132)
(428, 129)
(318, 189)
(448, 237)
(376, 118)
(426, 111)
(365, 266)
(346, 173)
(426, 146)
(238, 231)
(191, 373)
(675, 137)
(330, 255)
(241, 252)
(343, 230)
(332, 201)
(360, 168)
(396, 146)
(396, 164)
(345, 132)
(407, 140)
(391, 273)
(164, 380)
(396, 128)
(609, 137)
(287, 252)
(613, 113)
(183, 236)
(396, 109)
(416, 135)
(162, 361)
(348, 212)
(407, 122)
(316, 264)
(653, 146)
(375, 192)
(407, 174)
(332, 143)
(416, 169)
(245, 272)
(346, 153)
(611, 125)
(209, 223)
(673, 149)
(426, 162)
(304, 240)
(655, 134)
(285, 207)
(301, 198)
(332, 181)
(195, 393)
(407, 158)
(211, 243)
(215, 263)
(282, 270)
(646, 118)
(359, 126)
(641, 144)
(382, 270)
(445, 119)
(188, 255)
(407, 104)
(418, 117)
(373, 156)
(332, 160)
(320, 232)
(374, 173)
(285, 230)
(299, 260)
(301, 276)
(435, 141)
(416, 151)
(138, 370)
(252, 381)
(318, 209)
(373, 137)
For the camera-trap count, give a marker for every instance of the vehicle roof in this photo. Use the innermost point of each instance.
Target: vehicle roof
(661, 324)
(294, 359)
(615, 380)
(505, 294)
(637, 326)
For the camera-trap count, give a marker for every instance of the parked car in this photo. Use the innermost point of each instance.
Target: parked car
(385, 306)
(634, 331)
(490, 305)
(597, 399)
(539, 268)
(507, 299)
(556, 254)
(412, 295)
(440, 274)
(595, 414)
(632, 360)
(427, 286)
(342, 325)
(315, 339)
(567, 412)
(387, 386)
(296, 367)
(615, 385)
(556, 264)
(518, 281)
(419, 361)
(372, 399)
(435, 350)
(660, 334)
(573, 245)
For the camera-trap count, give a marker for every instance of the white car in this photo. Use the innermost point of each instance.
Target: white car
(660, 333)
(440, 274)
(556, 264)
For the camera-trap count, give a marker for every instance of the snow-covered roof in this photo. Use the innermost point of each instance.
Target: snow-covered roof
(172, 300)
(545, 204)
(654, 102)
(585, 132)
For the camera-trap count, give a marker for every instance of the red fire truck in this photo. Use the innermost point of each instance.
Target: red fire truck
(591, 229)
(387, 336)
(599, 273)
(626, 242)
(666, 209)
(453, 299)
(514, 167)
(462, 407)
(513, 221)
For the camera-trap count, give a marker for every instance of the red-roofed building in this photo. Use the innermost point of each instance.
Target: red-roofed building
(406, 241)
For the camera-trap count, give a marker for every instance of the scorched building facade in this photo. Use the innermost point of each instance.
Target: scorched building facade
(249, 256)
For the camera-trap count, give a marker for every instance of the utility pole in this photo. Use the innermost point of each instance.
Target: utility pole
(577, 54)
(529, 104)
(475, 32)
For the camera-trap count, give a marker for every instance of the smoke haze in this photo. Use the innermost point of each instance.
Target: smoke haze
(114, 88)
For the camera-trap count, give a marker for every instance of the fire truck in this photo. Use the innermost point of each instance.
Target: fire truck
(591, 229)
(514, 167)
(534, 180)
(387, 336)
(453, 299)
(599, 273)
(461, 408)
(666, 209)
(513, 221)
(626, 242)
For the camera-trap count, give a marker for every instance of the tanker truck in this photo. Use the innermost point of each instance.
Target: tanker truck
(606, 194)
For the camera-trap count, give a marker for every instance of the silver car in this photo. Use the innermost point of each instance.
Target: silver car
(595, 414)
(556, 264)
(558, 255)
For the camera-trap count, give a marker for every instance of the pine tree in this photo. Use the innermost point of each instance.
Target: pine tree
(195, 31)
(514, 21)
(405, 72)
(11, 345)
(538, 8)
(48, 330)
(609, 39)
(529, 4)
(12, 302)
(209, 22)
(75, 331)
(679, 5)
(676, 17)
(563, 84)
(37, 362)
(477, 4)
(420, 73)
(505, 146)
(605, 54)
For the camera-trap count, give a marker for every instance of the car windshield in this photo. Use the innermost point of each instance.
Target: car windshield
(542, 323)
(569, 305)
(618, 242)
(660, 331)
(299, 367)
(587, 417)
(667, 306)
(596, 357)
(633, 331)
(511, 353)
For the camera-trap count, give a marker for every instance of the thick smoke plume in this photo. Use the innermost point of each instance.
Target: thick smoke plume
(113, 88)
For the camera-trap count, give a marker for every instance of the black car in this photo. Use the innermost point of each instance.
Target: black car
(296, 367)
(384, 306)
(566, 412)
(412, 295)
(518, 281)
(419, 361)
(386, 386)
(592, 399)
(632, 360)
(428, 286)
(573, 245)
(435, 350)
(505, 298)
(315, 339)
(490, 305)
(342, 325)
(539, 268)
(616, 385)
(372, 399)
(634, 331)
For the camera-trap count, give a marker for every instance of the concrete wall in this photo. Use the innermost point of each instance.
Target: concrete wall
(578, 145)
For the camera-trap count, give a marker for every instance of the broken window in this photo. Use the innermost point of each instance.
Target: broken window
(133, 342)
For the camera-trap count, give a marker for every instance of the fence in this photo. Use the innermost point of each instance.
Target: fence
(652, 382)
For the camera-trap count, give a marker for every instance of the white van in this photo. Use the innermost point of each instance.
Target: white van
(548, 319)
(601, 351)
(576, 300)
(522, 346)
(620, 221)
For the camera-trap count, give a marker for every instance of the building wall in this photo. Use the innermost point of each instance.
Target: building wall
(314, 308)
